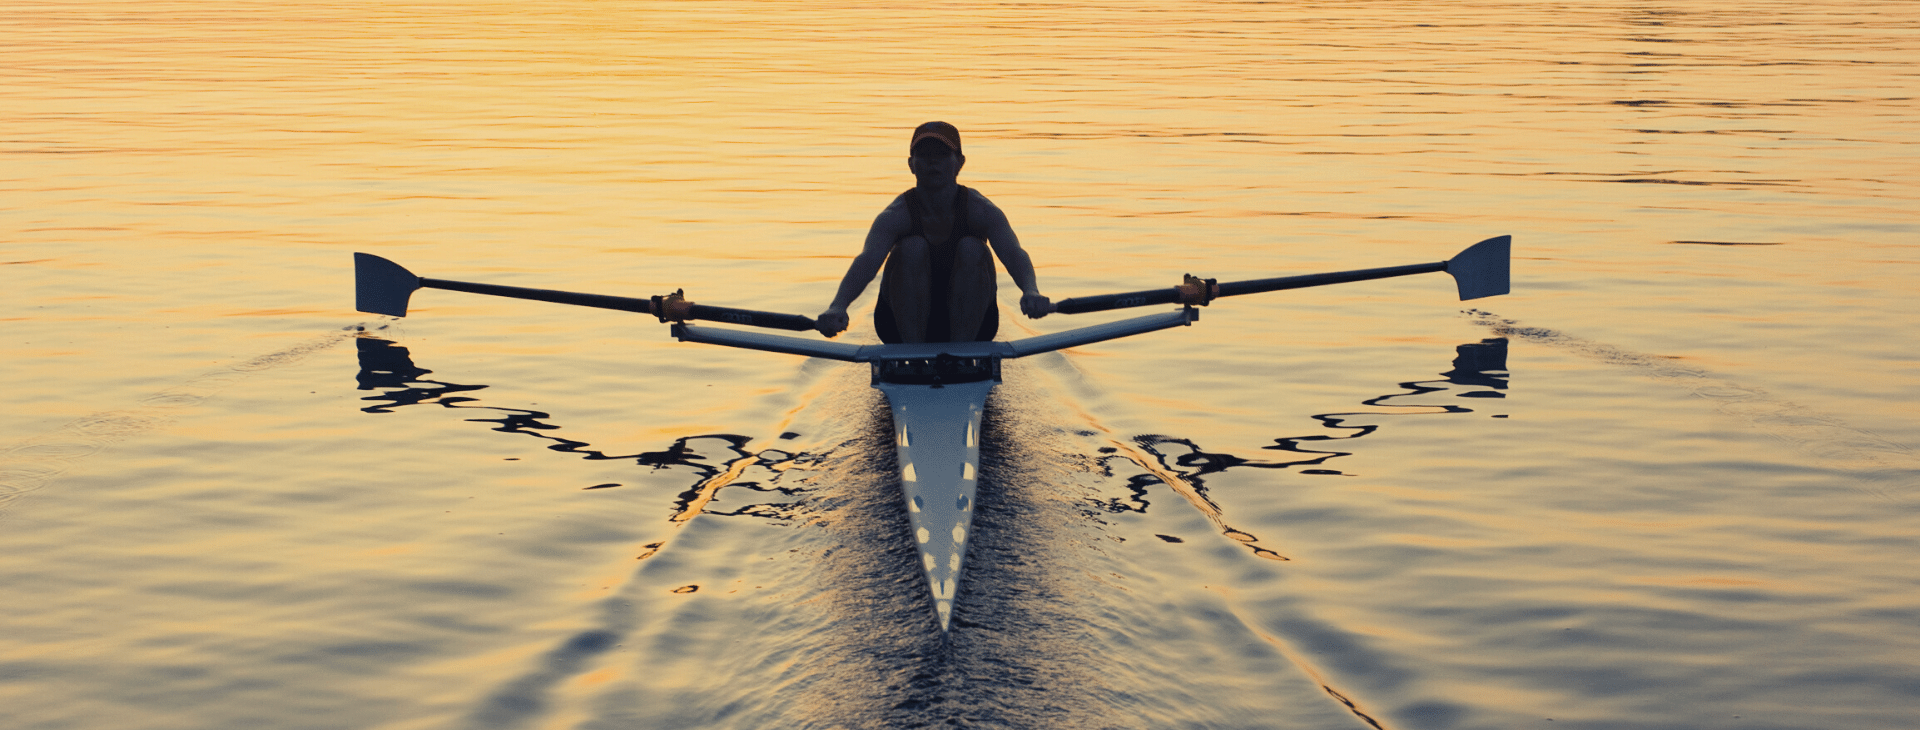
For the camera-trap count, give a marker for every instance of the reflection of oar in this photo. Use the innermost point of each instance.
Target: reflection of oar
(383, 287)
(938, 390)
(1480, 271)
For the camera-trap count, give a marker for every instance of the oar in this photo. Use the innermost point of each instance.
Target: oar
(383, 287)
(1479, 271)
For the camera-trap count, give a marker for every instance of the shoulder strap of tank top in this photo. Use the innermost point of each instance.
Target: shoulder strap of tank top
(962, 227)
(913, 212)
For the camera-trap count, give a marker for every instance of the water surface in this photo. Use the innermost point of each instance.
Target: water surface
(1668, 483)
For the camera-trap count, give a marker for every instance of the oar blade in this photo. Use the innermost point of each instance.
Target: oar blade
(1483, 270)
(381, 286)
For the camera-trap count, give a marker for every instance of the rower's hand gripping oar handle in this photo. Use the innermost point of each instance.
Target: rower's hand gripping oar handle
(384, 287)
(1480, 271)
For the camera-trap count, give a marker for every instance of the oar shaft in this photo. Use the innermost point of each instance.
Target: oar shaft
(602, 301)
(1339, 277)
(1177, 295)
(667, 308)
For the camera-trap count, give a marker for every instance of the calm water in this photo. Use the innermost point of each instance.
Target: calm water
(1668, 483)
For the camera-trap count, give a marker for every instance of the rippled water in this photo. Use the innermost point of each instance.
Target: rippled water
(1668, 483)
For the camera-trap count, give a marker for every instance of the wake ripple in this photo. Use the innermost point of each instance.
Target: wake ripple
(37, 462)
(1884, 468)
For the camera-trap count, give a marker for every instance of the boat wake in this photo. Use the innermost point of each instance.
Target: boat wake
(1883, 468)
(36, 462)
(813, 612)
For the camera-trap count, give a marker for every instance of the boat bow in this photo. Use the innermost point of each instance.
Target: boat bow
(936, 431)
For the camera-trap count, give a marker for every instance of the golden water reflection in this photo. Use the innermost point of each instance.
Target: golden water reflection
(1693, 502)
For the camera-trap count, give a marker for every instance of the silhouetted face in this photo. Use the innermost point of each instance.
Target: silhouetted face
(934, 164)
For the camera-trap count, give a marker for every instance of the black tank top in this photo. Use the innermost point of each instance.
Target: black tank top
(940, 288)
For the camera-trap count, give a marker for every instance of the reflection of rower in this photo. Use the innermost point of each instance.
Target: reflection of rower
(934, 240)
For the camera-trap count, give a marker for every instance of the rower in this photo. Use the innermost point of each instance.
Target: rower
(937, 241)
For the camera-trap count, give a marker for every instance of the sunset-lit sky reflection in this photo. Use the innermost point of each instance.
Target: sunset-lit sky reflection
(1683, 498)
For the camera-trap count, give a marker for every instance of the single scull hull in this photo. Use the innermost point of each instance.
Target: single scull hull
(936, 433)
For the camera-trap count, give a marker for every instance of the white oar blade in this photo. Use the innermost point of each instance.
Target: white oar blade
(1483, 270)
(381, 286)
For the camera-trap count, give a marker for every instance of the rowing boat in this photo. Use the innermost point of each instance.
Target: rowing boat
(937, 391)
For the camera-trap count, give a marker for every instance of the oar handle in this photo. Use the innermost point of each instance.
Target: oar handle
(669, 308)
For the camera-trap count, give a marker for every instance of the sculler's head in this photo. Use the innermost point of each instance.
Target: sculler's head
(935, 157)
(941, 132)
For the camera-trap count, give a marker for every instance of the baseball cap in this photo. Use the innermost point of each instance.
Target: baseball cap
(936, 130)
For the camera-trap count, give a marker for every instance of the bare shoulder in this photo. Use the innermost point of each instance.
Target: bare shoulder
(895, 217)
(983, 209)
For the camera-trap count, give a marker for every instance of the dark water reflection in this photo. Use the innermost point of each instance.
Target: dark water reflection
(1479, 365)
(389, 368)
(1479, 372)
(1033, 645)
(714, 459)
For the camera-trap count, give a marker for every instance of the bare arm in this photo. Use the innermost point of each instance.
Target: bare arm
(888, 227)
(993, 224)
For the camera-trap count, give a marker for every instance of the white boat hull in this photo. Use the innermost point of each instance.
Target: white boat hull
(936, 431)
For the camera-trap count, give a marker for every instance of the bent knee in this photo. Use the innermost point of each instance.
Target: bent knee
(971, 250)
